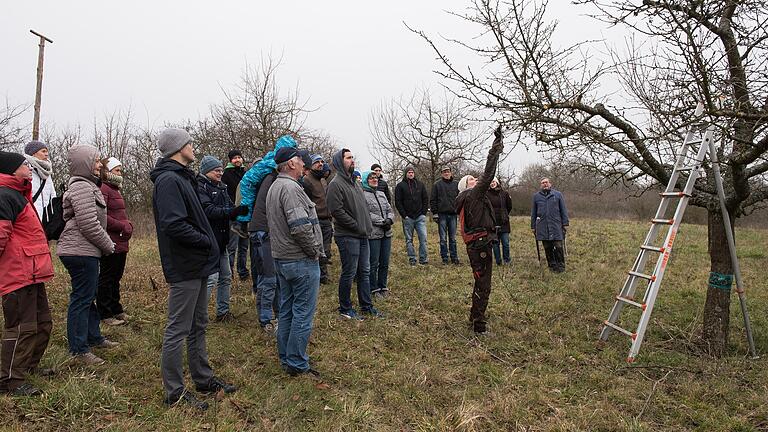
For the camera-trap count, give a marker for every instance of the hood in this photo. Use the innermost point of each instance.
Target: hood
(18, 184)
(364, 179)
(405, 172)
(230, 165)
(338, 163)
(81, 159)
(166, 164)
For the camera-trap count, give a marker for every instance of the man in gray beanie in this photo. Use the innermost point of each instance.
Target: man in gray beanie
(189, 254)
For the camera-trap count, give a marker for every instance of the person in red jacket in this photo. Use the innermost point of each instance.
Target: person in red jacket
(26, 263)
(120, 229)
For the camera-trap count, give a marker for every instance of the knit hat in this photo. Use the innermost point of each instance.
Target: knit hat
(445, 168)
(316, 158)
(208, 164)
(10, 162)
(306, 158)
(374, 166)
(233, 153)
(33, 147)
(172, 140)
(463, 183)
(113, 163)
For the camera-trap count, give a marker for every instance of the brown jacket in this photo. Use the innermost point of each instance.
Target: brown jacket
(85, 210)
(316, 189)
(473, 204)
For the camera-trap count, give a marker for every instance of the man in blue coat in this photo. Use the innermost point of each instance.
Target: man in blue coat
(549, 222)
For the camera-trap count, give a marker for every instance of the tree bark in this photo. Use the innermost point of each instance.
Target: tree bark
(717, 306)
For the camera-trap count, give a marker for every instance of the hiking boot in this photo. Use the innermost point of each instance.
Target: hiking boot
(106, 344)
(269, 328)
(113, 321)
(238, 229)
(225, 317)
(412, 263)
(88, 359)
(310, 373)
(380, 295)
(26, 389)
(186, 398)
(373, 312)
(351, 315)
(123, 316)
(214, 385)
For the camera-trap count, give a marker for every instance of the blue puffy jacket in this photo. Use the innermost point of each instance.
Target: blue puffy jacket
(249, 185)
(549, 215)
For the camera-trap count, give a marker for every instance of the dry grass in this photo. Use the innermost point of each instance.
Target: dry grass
(421, 369)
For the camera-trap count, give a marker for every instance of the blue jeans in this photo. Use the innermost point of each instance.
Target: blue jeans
(380, 250)
(420, 224)
(82, 316)
(504, 241)
(264, 277)
(237, 248)
(299, 285)
(446, 227)
(355, 260)
(224, 281)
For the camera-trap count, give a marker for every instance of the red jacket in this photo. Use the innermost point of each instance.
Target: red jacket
(24, 255)
(119, 227)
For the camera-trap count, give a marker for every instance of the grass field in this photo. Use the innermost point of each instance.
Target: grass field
(422, 369)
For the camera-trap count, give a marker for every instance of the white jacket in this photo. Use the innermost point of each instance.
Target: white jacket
(47, 194)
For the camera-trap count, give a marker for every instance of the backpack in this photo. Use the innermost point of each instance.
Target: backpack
(53, 215)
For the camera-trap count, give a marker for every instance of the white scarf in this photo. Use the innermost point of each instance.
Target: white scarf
(42, 167)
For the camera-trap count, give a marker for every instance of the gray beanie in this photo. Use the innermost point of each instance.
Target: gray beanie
(172, 140)
(33, 147)
(208, 164)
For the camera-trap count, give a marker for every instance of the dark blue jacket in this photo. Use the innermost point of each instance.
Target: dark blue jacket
(217, 207)
(188, 248)
(549, 215)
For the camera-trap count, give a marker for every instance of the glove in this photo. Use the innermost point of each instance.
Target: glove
(238, 211)
(435, 217)
(387, 225)
(565, 229)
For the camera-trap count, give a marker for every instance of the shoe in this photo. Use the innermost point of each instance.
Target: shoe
(351, 315)
(238, 229)
(88, 359)
(424, 263)
(244, 276)
(214, 385)
(507, 262)
(481, 332)
(106, 344)
(324, 280)
(43, 372)
(373, 312)
(412, 263)
(186, 398)
(113, 321)
(270, 329)
(123, 316)
(26, 389)
(456, 261)
(445, 262)
(311, 373)
(380, 295)
(225, 317)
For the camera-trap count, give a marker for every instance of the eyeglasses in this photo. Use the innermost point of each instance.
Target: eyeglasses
(219, 171)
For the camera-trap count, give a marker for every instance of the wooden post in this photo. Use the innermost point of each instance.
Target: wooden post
(39, 90)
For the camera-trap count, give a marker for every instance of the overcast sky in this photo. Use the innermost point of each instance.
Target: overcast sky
(168, 59)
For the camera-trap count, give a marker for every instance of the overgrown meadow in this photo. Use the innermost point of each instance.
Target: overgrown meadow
(421, 368)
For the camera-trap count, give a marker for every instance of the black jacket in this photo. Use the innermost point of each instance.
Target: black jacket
(411, 198)
(231, 178)
(188, 248)
(384, 187)
(347, 204)
(259, 219)
(217, 207)
(502, 205)
(443, 197)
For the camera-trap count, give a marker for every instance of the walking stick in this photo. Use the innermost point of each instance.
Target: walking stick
(565, 244)
(538, 251)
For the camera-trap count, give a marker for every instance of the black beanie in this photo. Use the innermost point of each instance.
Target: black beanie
(374, 166)
(10, 162)
(233, 153)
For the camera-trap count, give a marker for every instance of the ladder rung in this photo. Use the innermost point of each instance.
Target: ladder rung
(674, 194)
(619, 329)
(652, 248)
(695, 141)
(643, 275)
(687, 168)
(663, 221)
(631, 302)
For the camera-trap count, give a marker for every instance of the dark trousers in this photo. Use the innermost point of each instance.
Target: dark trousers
(481, 261)
(355, 256)
(237, 248)
(25, 336)
(380, 251)
(82, 316)
(555, 255)
(326, 226)
(111, 268)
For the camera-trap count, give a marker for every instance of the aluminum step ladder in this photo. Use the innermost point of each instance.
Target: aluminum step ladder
(689, 162)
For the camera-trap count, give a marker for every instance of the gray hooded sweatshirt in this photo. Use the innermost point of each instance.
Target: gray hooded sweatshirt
(346, 203)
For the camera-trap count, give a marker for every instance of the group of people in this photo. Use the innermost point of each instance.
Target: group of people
(286, 208)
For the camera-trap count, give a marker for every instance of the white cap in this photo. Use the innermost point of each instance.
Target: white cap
(112, 163)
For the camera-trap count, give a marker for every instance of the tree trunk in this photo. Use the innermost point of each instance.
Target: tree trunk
(717, 306)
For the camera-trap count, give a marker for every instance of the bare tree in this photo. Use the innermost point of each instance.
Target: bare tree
(714, 51)
(11, 133)
(425, 133)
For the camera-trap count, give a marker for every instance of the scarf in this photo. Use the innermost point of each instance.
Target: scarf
(114, 180)
(42, 167)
